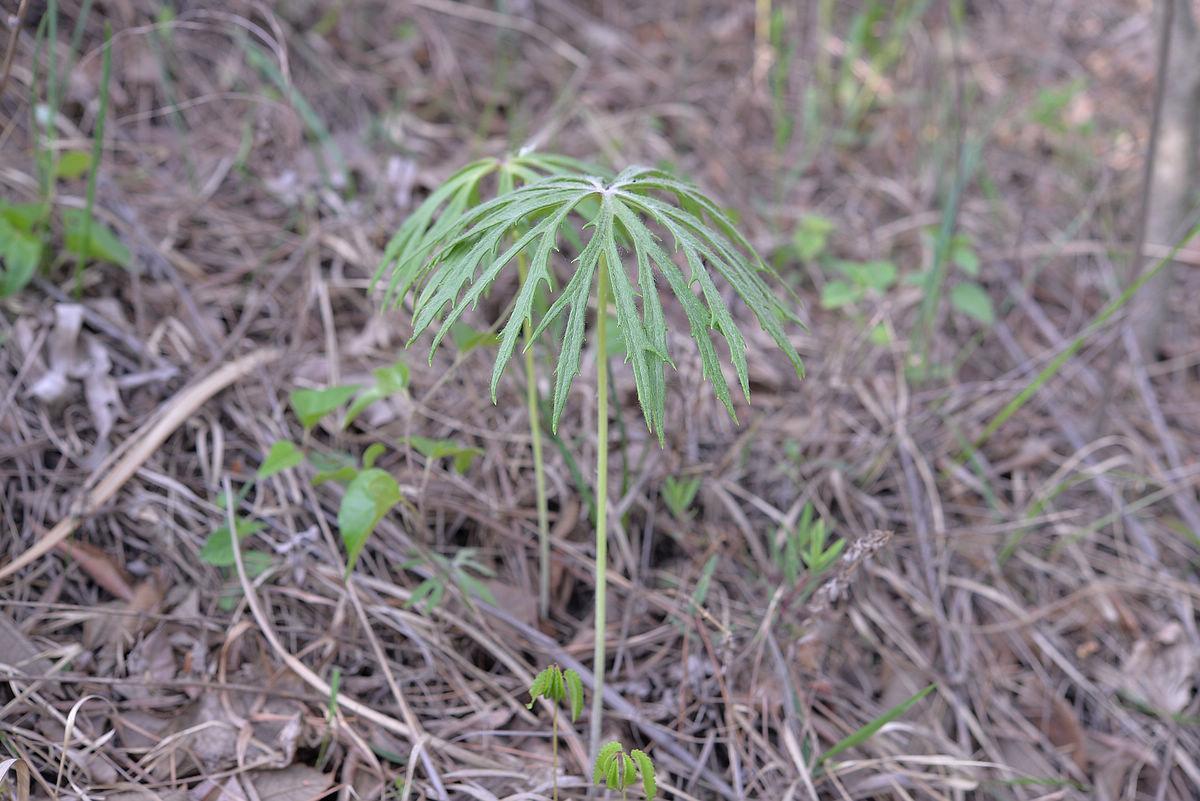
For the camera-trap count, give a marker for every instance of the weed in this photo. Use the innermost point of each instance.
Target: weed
(806, 547)
(26, 229)
(556, 686)
(618, 770)
(370, 492)
(678, 494)
(452, 264)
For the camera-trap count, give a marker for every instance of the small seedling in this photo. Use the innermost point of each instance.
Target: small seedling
(453, 265)
(859, 279)
(618, 770)
(556, 686)
(370, 492)
(457, 571)
(811, 236)
(967, 296)
(806, 547)
(678, 494)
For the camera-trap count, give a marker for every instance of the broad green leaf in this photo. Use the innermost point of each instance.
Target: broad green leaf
(964, 256)
(646, 769)
(877, 275)
(574, 693)
(461, 455)
(102, 243)
(607, 754)
(454, 266)
(467, 339)
(836, 294)
(971, 299)
(283, 455)
(811, 236)
(388, 381)
(218, 548)
(373, 452)
(24, 216)
(20, 253)
(310, 405)
(369, 496)
(538, 689)
(72, 164)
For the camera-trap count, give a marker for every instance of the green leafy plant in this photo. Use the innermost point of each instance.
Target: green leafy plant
(27, 230)
(556, 686)
(859, 278)
(967, 295)
(678, 494)
(811, 236)
(451, 265)
(456, 571)
(806, 547)
(370, 492)
(424, 228)
(618, 770)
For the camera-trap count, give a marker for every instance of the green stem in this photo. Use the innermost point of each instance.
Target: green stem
(539, 464)
(85, 247)
(598, 660)
(554, 752)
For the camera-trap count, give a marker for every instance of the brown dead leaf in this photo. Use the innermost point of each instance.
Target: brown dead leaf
(100, 566)
(114, 625)
(293, 783)
(1057, 721)
(1161, 675)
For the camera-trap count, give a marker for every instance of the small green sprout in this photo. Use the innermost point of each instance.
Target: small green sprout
(805, 546)
(556, 686)
(678, 494)
(618, 770)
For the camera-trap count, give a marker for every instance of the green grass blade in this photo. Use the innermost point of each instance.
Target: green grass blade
(866, 732)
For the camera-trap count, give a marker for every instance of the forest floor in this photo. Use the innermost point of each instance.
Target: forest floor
(1031, 557)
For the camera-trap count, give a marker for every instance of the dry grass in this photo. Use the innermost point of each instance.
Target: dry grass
(1047, 588)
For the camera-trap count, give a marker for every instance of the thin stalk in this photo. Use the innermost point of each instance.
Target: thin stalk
(85, 248)
(598, 660)
(539, 464)
(554, 751)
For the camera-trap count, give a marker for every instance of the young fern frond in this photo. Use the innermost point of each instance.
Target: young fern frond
(457, 267)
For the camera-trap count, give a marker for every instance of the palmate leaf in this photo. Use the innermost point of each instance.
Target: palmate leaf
(424, 228)
(456, 263)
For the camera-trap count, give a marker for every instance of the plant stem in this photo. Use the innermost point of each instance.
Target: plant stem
(554, 751)
(539, 465)
(85, 247)
(598, 660)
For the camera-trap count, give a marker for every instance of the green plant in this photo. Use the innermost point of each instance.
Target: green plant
(556, 686)
(967, 296)
(805, 547)
(678, 494)
(811, 236)
(454, 264)
(859, 278)
(26, 229)
(370, 492)
(455, 571)
(423, 229)
(618, 770)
